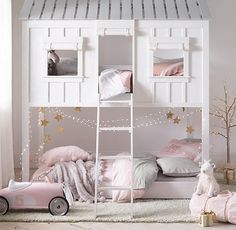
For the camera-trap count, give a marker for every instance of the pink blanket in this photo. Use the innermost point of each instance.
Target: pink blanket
(223, 205)
(115, 173)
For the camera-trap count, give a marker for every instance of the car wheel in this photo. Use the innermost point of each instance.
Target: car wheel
(4, 206)
(58, 206)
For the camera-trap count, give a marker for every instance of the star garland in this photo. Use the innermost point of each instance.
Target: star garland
(176, 120)
(60, 129)
(46, 138)
(58, 117)
(77, 109)
(189, 129)
(41, 110)
(169, 115)
(44, 122)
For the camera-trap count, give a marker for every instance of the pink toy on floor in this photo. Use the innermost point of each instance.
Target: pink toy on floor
(39, 195)
(223, 205)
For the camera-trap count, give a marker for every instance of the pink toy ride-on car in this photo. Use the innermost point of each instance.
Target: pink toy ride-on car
(36, 195)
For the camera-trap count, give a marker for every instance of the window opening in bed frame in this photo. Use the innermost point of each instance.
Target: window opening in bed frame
(62, 63)
(168, 63)
(115, 65)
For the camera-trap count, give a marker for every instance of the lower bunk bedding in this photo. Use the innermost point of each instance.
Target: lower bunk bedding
(153, 176)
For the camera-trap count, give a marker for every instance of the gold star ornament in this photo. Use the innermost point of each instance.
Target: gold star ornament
(189, 129)
(169, 115)
(60, 130)
(41, 110)
(46, 138)
(77, 109)
(176, 120)
(58, 117)
(44, 122)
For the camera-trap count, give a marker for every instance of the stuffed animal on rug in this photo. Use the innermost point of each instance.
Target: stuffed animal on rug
(207, 182)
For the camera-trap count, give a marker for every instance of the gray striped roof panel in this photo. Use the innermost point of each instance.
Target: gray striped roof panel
(115, 10)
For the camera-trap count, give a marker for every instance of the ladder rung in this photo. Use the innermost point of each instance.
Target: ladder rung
(114, 157)
(115, 188)
(115, 101)
(115, 129)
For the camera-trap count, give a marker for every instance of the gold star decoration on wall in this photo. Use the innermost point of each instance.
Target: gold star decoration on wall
(44, 122)
(189, 129)
(169, 115)
(77, 109)
(41, 110)
(60, 129)
(58, 117)
(46, 138)
(176, 120)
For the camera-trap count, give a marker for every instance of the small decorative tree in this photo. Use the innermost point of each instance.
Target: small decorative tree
(225, 110)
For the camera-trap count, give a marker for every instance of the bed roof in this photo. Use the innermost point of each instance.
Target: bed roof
(115, 10)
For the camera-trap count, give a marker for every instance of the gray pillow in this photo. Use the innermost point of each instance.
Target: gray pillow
(178, 167)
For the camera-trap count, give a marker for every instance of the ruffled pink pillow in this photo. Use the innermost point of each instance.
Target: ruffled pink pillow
(182, 148)
(63, 154)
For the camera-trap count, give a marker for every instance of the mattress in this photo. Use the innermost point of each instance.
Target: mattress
(161, 177)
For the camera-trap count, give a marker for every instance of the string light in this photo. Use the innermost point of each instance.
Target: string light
(110, 123)
(157, 118)
(27, 146)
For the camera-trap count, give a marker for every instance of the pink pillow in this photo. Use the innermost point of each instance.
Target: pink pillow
(62, 154)
(125, 77)
(168, 69)
(121, 176)
(182, 148)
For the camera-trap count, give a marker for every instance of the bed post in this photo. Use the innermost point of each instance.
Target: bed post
(205, 92)
(25, 103)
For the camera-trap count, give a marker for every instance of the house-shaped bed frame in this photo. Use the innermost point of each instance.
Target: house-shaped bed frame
(152, 26)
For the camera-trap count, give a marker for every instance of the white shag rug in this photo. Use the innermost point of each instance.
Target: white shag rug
(147, 211)
(159, 211)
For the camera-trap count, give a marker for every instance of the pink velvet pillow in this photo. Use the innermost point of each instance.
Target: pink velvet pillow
(168, 69)
(62, 154)
(182, 148)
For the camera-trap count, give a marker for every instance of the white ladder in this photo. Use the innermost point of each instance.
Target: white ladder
(98, 155)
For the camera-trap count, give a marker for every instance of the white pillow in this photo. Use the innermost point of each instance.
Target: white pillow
(113, 82)
(62, 154)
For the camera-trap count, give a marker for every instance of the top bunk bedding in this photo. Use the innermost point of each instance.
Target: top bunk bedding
(61, 64)
(112, 81)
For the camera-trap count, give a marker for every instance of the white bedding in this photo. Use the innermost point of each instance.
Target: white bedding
(111, 83)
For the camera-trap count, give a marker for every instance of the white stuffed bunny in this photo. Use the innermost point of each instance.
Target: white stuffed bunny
(207, 182)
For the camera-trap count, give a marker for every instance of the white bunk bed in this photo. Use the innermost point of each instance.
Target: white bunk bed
(174, 28)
